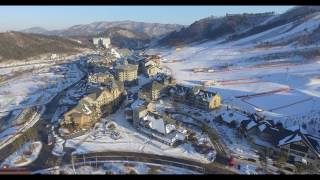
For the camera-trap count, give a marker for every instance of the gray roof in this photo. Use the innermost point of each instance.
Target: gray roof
(152, 85)
(311, 141)
(128, 67)
(196, 92)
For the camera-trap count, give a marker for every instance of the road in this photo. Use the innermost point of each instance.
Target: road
(150, 158)
(45, 61)
(35, 118)
(38, 124)
(45, 158)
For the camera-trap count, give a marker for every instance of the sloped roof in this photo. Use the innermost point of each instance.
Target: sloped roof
(236, 117)
(152, 85)
(262, 127)
(314, 142)
(197, 92)
(156, 122)
(128, 67)
(137, 103)
(95, 92)
(251, 124)
(94, 95)
(134, 57)
(245, 123)
(290, 139)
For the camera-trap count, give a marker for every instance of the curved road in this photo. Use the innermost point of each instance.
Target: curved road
(100, 157)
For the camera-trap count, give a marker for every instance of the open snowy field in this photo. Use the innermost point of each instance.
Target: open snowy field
(37, 87)
(284, 88)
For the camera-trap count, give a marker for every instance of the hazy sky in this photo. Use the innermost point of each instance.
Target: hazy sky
(57, 17)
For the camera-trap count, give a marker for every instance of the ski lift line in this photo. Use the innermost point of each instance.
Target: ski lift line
(291, 104)
(264, 93)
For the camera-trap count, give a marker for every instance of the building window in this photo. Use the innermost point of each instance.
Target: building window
(311, 157)
(297, 153)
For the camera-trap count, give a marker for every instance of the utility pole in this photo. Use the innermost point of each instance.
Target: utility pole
(72, 161)
(287, 69)
(96, 162)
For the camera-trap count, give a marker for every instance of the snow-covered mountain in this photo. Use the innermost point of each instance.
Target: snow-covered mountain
(213, 28)
(151, 29)
(297, 26)
(125, 38)
(271, 66)
(36, 30)
(300, 26)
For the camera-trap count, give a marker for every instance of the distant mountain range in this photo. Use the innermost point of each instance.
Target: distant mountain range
(151, 29)
(299, 26)
(17, 45)
(124, 34)
(125, 38)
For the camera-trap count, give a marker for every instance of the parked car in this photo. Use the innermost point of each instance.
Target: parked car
(251, 160)
(232, 161)
(288, 169)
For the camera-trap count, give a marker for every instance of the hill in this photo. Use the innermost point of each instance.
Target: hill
(151, 29)
(125, 38)
(213, 28)
(17, 45)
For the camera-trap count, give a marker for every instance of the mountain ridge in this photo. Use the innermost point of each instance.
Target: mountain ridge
(94, 28)
(301, 24)
(18, 45)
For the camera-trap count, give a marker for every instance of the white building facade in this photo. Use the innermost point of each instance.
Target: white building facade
(102, 42)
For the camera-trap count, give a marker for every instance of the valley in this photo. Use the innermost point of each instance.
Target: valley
(234, 94)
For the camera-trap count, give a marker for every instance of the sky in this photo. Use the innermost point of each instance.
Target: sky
(59, 17)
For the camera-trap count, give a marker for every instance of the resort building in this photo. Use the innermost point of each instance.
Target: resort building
(195, 96)
(127, 73)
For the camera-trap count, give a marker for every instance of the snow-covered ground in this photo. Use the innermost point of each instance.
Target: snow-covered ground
(37, 87)
(119, 167)
(240, 70)
(10, 134)
(23, 156)
(130, 141)
(247, 169)
(7, 66)
(238, 146)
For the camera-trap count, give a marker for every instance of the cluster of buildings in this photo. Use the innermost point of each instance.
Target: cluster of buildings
(298, 147)
(144, 117)
(147, 120)
(109, 80)
(104, 96)
(292, 144)
(148, 65)
(100, 78)
(99, 102)
(196, 96)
